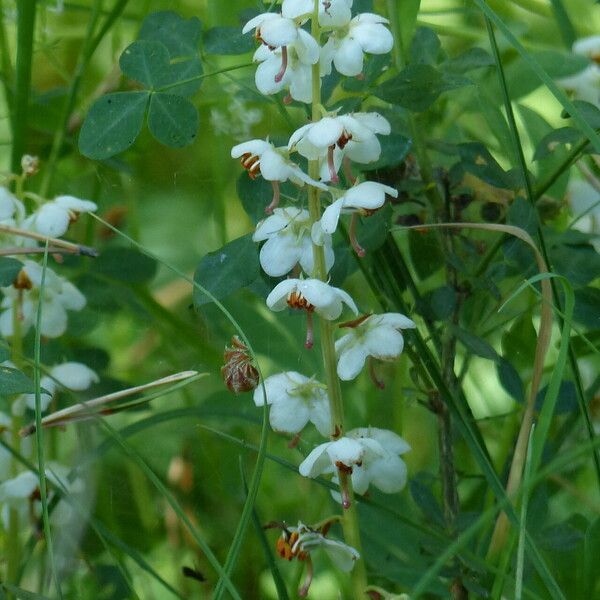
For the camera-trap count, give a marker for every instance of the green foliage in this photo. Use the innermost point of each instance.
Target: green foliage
(165, 61)
(9, 269)
(13, 381)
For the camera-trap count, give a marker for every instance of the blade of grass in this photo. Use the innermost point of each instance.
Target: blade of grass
(158, 484)
(260, 459)
(567, 31)
(260, 532)
(39, 438)
(535, 66)
(26, 13)
(520, 563)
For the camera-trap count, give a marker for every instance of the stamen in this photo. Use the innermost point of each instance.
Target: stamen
(331, 165)
(276, 195)
(360, 251)
(308, 344)
(303, 591)
(251, 162)
(284, 61)
(378, 383)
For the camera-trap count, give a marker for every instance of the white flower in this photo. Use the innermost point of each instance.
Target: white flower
(60, 295)
(53, 218)
(70, 375)
(378, 336)
(295, 400)
(335, 13)
(364, 198)
(9, 204)
(285, 68)
(293, 9)
(306, 539)
(311, 295)
(585, 85)
(289, 242)
(366, 34)
(371, 455)
(273, 163)
(332, 138)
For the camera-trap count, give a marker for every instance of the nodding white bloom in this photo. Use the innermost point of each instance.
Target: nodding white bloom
(378, 336)
(70, 375)
(273, 164)
(22, 493)
(59, 296)
(294, 9)
(310, 295)
(366, 33)
(285, 68)
(286, 48)
(335, 13)
(332, 138)
(303, 539)
(288, 242)
(295, 400)
(53, 218)
(364, 198)
(369, 454)
(585, 85)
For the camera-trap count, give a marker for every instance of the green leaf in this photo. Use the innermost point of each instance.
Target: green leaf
(425, 252)
(580, 264)
(227, 270)
(425, 47)
(20, 593)
(547, 145)
(475, 344)
(125, 264)
(471, 59)
(112, 124)
(417, 87)
(179, 35)
(9, 269)
(587, 307)
(591, 551)
(587, 111)
(510, 379)
(227, 40)
(172, 120)
(477, 160)
(13, 381)
(442, 301)
(146, 62)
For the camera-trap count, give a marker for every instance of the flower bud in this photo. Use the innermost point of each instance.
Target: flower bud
(239, 374)
(30, 164)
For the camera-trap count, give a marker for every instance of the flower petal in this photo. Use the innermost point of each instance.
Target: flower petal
(257, 147)
(277, 299)
(348, 58)
(351, 361)
(280, 254)
(289, 415)
(74, 376)
(388, 474)
(316, 462)
(331, 216)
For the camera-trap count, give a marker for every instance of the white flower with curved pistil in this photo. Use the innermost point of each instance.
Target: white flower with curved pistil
(298, 542)
(311, 295)
(366, 33)
(288, 242)
(334, 137)
(379, 336)
(367, 454)
(364, 199)
(53, 218)
(295, 400)
(278, 32)
(59, 296)
(273, 164)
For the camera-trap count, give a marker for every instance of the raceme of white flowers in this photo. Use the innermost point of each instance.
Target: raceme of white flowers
(28, 217)
(288, 58)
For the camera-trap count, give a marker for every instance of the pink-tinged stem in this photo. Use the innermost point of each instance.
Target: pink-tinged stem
(331, 164)
(284, 61)
(303, 591)
(378, 383)
(360, 251)
(294, 441)
(348, 170)
(309, 330)
(276, 195)
(287, 99)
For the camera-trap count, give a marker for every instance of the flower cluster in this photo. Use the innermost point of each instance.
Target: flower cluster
(585, 85)
(27, 221)
(297, 244)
